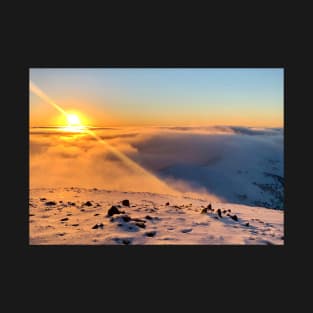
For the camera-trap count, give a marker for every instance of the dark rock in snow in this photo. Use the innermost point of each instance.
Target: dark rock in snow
(50, 203)
(126, 203)
(43, 199)
(96, 214)
(82, 210)
(64, 219)
(113, 210)
(126, 241)
(224, 211)
(70, 203)
(234, 217)
(219, 212)
(209, 207)
(204, 211)
(98, 226)
(148, 217)
(126, 218)
(150, 233)
(140, 224)
(167, 203)
(229, 210)
(88, 203)
(75, 224)
(247, 224)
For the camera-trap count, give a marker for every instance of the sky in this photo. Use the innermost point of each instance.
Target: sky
(160, 97)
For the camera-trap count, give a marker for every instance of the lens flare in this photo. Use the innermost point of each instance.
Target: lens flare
(74, 122)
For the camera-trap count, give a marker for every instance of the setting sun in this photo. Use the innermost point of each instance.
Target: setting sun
(73, 120)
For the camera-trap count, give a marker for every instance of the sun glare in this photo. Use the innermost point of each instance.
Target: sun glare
(73, 120)
(74, 123)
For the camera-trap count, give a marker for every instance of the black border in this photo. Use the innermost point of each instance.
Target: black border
(229, 262)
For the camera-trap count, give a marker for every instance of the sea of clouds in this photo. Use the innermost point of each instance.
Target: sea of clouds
(221, 162)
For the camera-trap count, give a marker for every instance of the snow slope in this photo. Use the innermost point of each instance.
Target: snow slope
(63, 216)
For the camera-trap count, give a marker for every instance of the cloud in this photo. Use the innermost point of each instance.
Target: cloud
(219, 162)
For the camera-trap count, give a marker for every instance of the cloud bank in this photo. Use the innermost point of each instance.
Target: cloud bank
(221, 163)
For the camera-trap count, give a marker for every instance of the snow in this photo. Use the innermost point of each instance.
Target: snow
(70, 222)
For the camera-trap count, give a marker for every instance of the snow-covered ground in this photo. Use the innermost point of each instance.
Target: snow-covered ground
(78, 216)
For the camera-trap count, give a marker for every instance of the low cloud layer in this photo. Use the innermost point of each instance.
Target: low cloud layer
(219, 162)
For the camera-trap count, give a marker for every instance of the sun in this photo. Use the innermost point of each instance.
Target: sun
(73, 120)
(75, 123)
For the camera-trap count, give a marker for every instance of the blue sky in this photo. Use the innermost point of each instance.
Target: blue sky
(247, 97)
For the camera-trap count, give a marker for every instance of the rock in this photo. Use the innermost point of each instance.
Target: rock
(70, 203)
(69, 214)
(50, 203)
(98, 226)
(64, 219)
(247, 224)
(140, 224)
(43, 199)
(126, 241)
(204, 211)
(282, 238)
(60, 201)
(119, 224)
(209, 207)
(150, 233)
(219, 212)
(75, 224)
(234, 217)
(96, 214)
(88, 203)
(224, 211)
(167, 203)
(229, 210)
(126, 218)
(148, 217)
(82, 210)
(126, 203)
(113, 210)
(187, 230)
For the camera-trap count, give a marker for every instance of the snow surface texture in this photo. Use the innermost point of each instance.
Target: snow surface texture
(79, 216)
